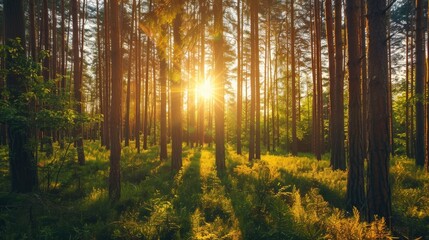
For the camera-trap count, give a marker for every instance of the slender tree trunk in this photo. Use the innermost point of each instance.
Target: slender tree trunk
(355, 176)
(202, 72)
(317, 84)
(257, 82)
(176, 94)
(337, 149)
(294, 90)
(268, 79)
(77, 84)
(154, 95)
(390, 97)
(99, 70)
(138, 81)
(274, 105)
(288, 95)
(54, 40)
(378, 195)
(107, 69)
(364, 82)
(46, 69)
(128, 97)
(332, 71)
(412, 95)
(254, 79)
(146, 95)
(419, 87)
(115, 127)
(163, 83)
(239, 79)
(32, 31)
(219, 83)
(427, 105)
(313, 74)
(45, 39)
(407, 99)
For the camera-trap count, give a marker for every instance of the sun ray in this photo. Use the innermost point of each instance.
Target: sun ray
(205, 89)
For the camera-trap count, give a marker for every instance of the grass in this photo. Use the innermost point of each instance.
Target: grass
(277, 197)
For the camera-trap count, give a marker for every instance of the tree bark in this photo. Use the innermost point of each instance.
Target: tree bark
(146, 94)
(378, 193)
(77, 84)
(219, 83)
(115, 127)
(364, 82)
(419, 87)
(252, 84)
(176, 94)
(201, 70)
(332, 72)
(337, 147)
(138, 83)
(32, 31)
(107, 78)
(427, 106)
(163, 83)
(294, 147)
(239, 80)
(355, 176)
(22, 163)
(130, 60)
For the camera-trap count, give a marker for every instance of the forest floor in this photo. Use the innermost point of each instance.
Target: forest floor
(278, 197)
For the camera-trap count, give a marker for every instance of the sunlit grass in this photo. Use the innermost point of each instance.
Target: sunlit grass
(215, 217)
(278, 197)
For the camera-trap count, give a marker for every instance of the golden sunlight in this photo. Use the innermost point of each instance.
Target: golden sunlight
(205, 89)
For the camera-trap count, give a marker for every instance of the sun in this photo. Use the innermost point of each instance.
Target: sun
(205, 89)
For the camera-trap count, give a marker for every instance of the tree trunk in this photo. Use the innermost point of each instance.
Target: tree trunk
(45, 38)
(427, 107)
(99, 70)
(77, 84)
(154, 95)
(331, 58)
(146, 94)
(364, 82)
(22, 164)
(419, 87)
(219, 83)
(163, 83)
(54, 40)
(107, 69)
(257, 82)
(317, 84)
(128, 97)
(32, 31)
(201, 70)
(138, 82)
(294, 147)
(239, 79)
(355, 176)
(337, 147)
(176, 94)
(115, 127)
(407, 99)
(254, 81)
(378, 195)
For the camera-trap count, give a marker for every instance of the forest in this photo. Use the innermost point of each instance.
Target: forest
(211, 119)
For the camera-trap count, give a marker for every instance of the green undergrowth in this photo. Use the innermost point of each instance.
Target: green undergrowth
(278, 197)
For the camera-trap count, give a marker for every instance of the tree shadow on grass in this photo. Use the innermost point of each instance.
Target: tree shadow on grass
(260, 215)
(188, 194)
(305, 184)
